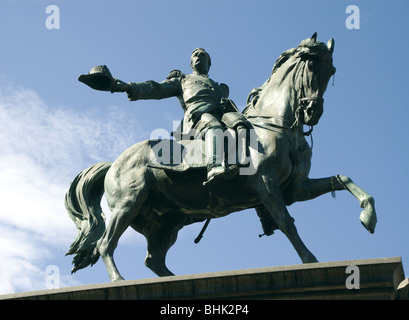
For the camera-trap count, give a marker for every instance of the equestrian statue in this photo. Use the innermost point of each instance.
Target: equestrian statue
(266, 167)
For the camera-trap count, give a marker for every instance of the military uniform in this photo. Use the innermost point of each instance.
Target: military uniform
(198, 95)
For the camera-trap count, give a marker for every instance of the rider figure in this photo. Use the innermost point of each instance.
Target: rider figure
(203, 101)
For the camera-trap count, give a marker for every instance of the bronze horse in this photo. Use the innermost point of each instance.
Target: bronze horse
(158, 202)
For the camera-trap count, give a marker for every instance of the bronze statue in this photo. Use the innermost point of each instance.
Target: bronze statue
(158, 202)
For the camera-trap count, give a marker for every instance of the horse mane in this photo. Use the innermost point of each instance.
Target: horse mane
(282, 59)
(255, 92)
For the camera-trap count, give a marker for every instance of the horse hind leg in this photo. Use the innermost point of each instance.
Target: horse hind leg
(161, 233)
(119, 222)
(125, 207)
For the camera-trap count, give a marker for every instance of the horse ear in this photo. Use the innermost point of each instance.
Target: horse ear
(331, 45)
(314, 37)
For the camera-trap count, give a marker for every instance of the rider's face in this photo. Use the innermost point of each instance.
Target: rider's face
(200, 61)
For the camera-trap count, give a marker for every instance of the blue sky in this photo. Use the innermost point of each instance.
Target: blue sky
(54, 126)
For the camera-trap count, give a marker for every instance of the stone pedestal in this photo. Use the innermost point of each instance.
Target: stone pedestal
(355, 279)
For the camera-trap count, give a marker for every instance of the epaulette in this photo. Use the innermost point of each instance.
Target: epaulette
(226, 89)
(175, 74)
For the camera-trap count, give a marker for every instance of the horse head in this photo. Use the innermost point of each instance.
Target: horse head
(295, 89)
(317, 68)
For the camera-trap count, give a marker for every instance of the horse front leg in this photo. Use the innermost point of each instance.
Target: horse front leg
(367, 202)
(271, 197)
(312, 188)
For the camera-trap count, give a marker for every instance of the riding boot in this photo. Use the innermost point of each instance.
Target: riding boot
(241, 152)
(242, 145)
(214, 148)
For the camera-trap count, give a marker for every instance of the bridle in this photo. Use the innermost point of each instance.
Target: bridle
(303, 102)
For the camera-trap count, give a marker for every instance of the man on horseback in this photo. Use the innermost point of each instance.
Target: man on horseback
(203, 100)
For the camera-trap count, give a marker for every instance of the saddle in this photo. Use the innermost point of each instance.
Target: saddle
(183, 155)
(187, 151)
(177, 155)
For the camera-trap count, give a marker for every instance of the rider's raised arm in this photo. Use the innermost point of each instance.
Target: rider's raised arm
(154, 90)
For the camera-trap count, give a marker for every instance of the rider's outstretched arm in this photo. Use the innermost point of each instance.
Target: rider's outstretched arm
(154, 90)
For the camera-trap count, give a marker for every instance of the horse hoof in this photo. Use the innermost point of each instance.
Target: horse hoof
(118, 279)
(368, 220)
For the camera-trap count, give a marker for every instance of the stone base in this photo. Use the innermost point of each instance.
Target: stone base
(376, 279)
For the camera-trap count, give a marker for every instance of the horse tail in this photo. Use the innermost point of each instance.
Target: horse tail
(83, 203)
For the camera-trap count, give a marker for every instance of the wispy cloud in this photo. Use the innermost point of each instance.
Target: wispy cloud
(41, 151)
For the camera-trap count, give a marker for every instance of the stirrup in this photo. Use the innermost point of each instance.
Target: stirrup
(218, 172)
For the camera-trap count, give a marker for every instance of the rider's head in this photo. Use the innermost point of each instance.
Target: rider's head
(200, 61)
